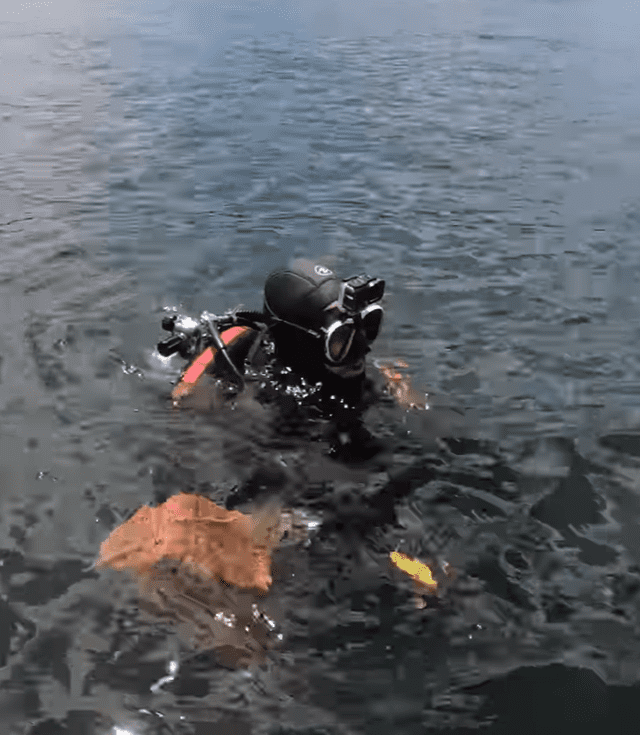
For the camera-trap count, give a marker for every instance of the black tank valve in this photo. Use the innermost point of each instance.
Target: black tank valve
(168, 323)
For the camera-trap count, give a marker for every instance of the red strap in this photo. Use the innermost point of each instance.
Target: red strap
(198, 367)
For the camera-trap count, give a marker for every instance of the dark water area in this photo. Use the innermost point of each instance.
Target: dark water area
(483, 158)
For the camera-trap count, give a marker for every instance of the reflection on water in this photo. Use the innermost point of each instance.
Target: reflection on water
(486, 165)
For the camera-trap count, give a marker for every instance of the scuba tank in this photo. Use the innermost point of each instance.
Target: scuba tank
(206, 343)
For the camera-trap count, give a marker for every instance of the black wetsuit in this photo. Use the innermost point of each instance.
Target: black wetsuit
(294, 380)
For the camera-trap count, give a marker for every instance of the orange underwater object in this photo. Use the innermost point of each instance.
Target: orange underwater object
(399, 386)
(417, 570)
(193, 530)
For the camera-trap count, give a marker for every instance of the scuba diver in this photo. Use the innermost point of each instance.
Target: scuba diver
(309, 342)
(305, 354)
(320, 326)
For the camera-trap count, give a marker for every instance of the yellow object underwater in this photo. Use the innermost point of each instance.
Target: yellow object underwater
(417, 570)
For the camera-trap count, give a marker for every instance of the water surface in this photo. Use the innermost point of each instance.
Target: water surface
(484, 160)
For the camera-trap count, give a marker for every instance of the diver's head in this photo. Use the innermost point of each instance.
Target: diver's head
(320, 321)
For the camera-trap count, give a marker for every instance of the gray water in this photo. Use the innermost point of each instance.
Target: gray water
(483, 158)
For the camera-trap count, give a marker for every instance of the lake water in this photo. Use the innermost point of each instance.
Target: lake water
(482, 157)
